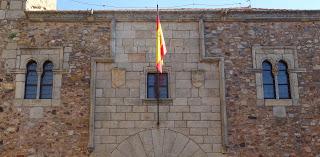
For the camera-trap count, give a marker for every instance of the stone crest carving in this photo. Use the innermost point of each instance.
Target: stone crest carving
(197, 78)
(118, 77)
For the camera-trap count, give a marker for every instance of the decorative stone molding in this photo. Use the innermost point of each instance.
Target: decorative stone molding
(118, 77)
(197, 78)
(18, 57)
(274, 54)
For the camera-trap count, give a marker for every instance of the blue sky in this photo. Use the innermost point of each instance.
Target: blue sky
(139, 4)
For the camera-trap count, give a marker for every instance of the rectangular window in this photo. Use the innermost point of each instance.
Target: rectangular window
(157, 85)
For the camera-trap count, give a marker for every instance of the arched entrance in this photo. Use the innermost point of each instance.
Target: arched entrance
(158, 143)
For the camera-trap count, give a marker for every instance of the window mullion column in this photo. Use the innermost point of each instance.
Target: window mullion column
(39, 84)
(276, 85)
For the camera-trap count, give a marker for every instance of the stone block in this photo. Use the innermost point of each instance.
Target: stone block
(132, 116)
(279, 111)
(118, 77)
(102, 116)
(210, 116)
(180, 124)
(140, 108)
(191, 116)
(36, 112)
(182, 92)
(193, 58)
(145, 34)
(124, 108)
(4, 5)
(101, 132)
(174, 116)
(212, 84)
(180, 101)
(99, 109)
(198, 124)
(126, 124)
(211, 101)
(2, 14)
(194, 101)
(131, 83)
(179, 108)
(206, 147)
(16, 5)
(12, 54)
(183, 83)
(110, 124)
(137, 57)
(134, 92)
(19, 92)
(201, 108)
(147, 116)
(216, 131)
(180, 34)
(122, 92)
(118, 116)
(15, 14)
(108, 139)
(213, 139)
(144, 124)
(183, 75)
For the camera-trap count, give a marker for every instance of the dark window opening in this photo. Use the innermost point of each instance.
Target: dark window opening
(283, 81)
(31, 81)
(268, 81)
(46, 81)
(152, 84)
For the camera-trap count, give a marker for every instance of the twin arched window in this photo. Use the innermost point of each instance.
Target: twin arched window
(276, 87)
(46, 82)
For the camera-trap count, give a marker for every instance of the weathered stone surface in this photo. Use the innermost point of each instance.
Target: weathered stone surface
(197, 78)
(192, 114)
(118, 77)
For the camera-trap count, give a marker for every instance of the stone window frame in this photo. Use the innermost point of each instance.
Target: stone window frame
(274, 54)
(171, 84)
(40, 56)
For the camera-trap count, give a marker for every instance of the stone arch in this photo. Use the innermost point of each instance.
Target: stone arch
(158, 143)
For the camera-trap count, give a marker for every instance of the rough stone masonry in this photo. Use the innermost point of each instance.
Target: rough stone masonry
(215, 105)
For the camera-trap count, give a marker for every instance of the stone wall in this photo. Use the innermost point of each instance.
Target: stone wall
(37, 129)
(122, 114)
(191, 116)
(253, 130)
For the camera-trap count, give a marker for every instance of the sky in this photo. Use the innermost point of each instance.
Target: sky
(171, 4)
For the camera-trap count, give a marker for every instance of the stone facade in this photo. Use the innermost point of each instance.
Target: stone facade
(215, 105)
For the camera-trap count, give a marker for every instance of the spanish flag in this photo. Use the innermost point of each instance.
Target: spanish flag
(161, 49)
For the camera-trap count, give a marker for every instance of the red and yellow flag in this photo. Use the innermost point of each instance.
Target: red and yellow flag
(161, 49)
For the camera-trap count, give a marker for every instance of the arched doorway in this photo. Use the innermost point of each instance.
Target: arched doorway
(158, 143)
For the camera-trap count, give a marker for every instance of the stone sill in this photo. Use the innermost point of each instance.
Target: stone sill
(278, 102)
(37, 102)
(161, 101)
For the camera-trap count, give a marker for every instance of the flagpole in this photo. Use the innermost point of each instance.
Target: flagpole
(158, 84)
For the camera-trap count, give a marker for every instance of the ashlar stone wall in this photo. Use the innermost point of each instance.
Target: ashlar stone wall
(122, 112)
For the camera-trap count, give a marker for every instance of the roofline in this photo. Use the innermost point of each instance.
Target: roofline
(232, 14)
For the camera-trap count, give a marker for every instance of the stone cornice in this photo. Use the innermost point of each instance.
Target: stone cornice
(177, 15)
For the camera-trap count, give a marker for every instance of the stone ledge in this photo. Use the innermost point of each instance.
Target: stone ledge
(170, 15)
(37, 102)
(161, 101)
(278, 102)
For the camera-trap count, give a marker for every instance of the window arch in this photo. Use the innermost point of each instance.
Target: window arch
(268, 81)
(283, 80)
(31, 81)
(46, 81)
